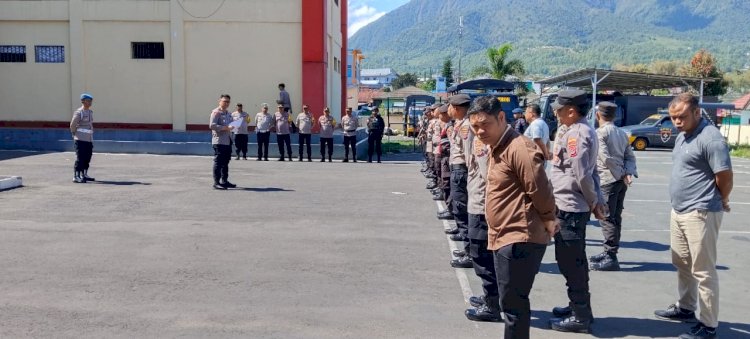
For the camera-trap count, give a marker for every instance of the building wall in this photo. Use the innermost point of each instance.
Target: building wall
(245, 49)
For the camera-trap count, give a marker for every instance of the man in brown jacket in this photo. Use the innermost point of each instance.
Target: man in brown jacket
(519, 208)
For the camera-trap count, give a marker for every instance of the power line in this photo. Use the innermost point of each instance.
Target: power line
(201, 17)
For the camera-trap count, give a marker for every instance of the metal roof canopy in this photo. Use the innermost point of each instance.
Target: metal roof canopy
(607, 79)
(483, 84)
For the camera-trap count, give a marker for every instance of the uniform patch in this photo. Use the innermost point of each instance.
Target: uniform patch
(464, 132)
(665, 133)
(572, 147)
(479, 149)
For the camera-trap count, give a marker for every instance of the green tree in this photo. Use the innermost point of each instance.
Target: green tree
(404, 80)
(428, 85)
(500, 66)
(447, 72)
(703, 65)
(739, 81)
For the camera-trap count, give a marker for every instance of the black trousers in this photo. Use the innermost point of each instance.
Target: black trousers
(304, 139)
(326, 144)
(482, 258)
(516, 266)
(612, 225)
(263, 145)
(240, 144)
(374, 145)
(570, 253)
(284, 139)
(444, 181)
(460, 198)
(350, 142)
(84, 149)
(222, 155)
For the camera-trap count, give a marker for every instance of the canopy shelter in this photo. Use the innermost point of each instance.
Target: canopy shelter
(401, 94)
(607, 79)
(483, 85)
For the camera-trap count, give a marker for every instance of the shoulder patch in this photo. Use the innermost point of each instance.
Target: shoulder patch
(464, 132)
(572, 147)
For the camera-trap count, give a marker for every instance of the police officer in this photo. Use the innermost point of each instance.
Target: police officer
(82, 128)
(375, 128)
(457, 109)
(577, 194)
(422, 138)
(263, 123)
(616, 167)
(305, 122)
(221, 139)
(283, 120)
(349, 124)
(327, 123)
(240, 134)
(519, 124)
(442, 166)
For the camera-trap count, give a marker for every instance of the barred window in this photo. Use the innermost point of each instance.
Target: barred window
(12, 53)
(49, 54)
(148, 50)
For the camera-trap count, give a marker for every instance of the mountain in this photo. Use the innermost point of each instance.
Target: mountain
(555, 36)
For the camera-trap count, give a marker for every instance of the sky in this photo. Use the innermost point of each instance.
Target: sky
(363, 12)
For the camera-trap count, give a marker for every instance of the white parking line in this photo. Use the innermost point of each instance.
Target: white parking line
(463, 279)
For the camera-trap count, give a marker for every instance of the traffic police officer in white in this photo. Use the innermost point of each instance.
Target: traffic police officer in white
(82, 128)
(263, 123)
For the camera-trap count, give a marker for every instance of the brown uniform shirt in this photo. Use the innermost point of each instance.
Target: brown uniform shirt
(519, 197)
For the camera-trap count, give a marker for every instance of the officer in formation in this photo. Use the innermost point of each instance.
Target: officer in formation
(221, 139)
(282, 120)
(424, 123)
(305, 122)
(240, 133)
(430, 172)
(349, 124)
(441, 151)
(616, 166)
(82, 129)
(327, 124)
(458, 105)
(263, 123)
(375, 128)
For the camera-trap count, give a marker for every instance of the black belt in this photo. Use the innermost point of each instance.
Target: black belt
(459, 167)
(349, 131)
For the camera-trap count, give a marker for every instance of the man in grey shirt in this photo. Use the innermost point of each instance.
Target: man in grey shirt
(615, 164)
(699, 188)
(284, 99)
(221, 140)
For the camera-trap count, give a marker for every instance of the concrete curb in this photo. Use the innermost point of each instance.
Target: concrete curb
(8, 182)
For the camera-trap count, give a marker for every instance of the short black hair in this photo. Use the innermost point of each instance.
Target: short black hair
(535, 109)
(222, 96)
(487, 104)
(282, 85)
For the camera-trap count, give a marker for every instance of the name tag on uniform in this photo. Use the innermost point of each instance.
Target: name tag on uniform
(85, 130)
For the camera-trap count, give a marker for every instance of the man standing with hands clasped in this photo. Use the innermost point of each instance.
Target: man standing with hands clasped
(519, 209)
(305, 123)
(221, 139)
(82, 128)
(616, 166)
(699, 188)
(577, 195)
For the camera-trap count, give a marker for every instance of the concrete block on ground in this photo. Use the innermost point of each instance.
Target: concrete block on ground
(8, 182)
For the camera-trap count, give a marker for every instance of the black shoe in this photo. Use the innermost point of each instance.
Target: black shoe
(458, 237)
(237, 158)
(244, 158)
(462, 262)
(370, 161)
(300, 159)
(379, 162)
(345, 160)
(323, 160)
(437, 197)
(459, 253)
(436, 191)
(219, 187)
(483, 313)
(571, 324)
(265, 159)
(260, 159)
(562, 312)
(79, 180)
(609, 263)
(290, 158)
(281, 159)
(676, 313)
(476, 301)
(431, 185)
(227, 184)
(699, 331)
(309, 159)
(86, 176)
(599, 257)
(445, 215)
(452, 231)
(355, 160)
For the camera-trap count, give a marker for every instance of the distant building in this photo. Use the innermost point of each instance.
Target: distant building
(377, 77)
(354, 59)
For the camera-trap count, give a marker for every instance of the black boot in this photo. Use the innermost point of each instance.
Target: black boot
(566, 311)
(599, 257)
(238, 157)
(77, 178)
(86, 176)
(462, 262)
(571, 324)
(609, 263)
(477, 301)
(490, 311)
(226, 184)
(323, 159)
(330, 159)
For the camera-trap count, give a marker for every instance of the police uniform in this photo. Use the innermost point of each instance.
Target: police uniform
(221, 141)
(576, 189)
(283, 138)
(263, 123)
(430, 146)
(240, 134)
(375, 128)
(349, 124)
(82, 129)
(459, 172)
(441, 152)
(327, 123)
(305, 123)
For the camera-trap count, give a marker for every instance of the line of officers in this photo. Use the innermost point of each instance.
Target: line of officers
(229, 129)
(506, 209)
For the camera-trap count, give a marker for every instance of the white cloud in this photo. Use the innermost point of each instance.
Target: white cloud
(361, 16)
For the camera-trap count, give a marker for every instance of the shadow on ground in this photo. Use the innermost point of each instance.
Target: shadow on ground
(11, 154)
(120, 183)
(261, 189)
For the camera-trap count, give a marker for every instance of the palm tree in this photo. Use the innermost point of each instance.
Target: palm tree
(500, 66)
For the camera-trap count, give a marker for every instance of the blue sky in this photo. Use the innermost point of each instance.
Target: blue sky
(363, 12)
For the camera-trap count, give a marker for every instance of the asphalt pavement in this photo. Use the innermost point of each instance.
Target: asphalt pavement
(301, 250)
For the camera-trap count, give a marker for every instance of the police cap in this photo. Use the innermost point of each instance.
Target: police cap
(459, 100)
(86, 96)
(607, 109)
(517, 111)
(571, 97)
(443, 109)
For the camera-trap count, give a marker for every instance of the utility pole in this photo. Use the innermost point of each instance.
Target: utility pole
(460, 51)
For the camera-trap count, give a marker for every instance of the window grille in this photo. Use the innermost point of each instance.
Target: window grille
(12, 53)
(49, 54)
